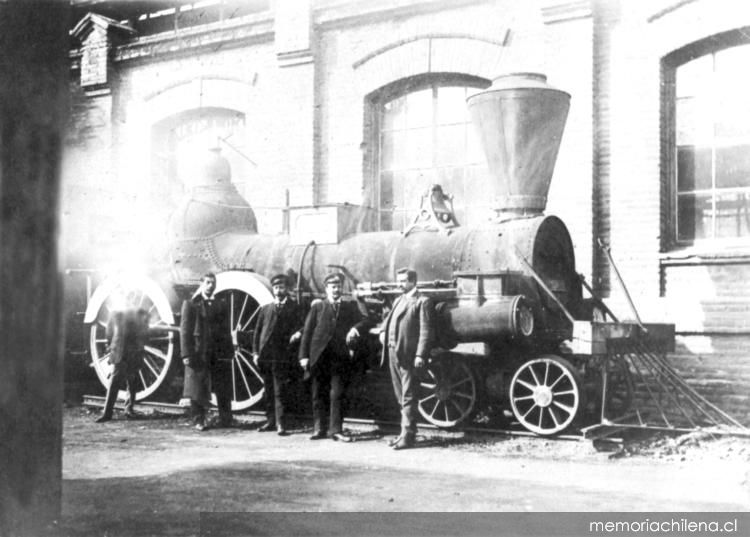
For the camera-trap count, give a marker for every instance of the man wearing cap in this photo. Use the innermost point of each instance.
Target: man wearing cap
(277, 329)
(408, 336)
(331, 329)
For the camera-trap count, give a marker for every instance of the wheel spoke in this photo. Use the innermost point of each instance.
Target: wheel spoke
(562, 376)
(458, 407)
(431, 396)
(566, 392)
(143, 380)
(445, 411)
(244, 326)
(532, 407)
(156, 353)
(150, 366)
(524, 398)
(242, 374)
(434, 408)
(554, 418)
(248, 363)
(427, 386)
(541, 415)
(463, 381)
(565, 408)
(533, 374)
(525, 384)
(242, 312)
(234, 383)
(463, 396)
(546, 372)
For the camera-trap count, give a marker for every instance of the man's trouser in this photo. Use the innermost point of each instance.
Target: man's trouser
(405, 384)
(327, 379)
(274, 379)
(120, 379)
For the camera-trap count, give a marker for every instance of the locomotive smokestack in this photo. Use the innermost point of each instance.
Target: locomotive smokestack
(520, 120)
(212, 203)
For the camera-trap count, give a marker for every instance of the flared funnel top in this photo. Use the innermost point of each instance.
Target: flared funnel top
(520, 120)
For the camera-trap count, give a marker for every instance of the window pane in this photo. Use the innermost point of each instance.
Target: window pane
(693, 168)
(451, 105)
(733, 166)
(418, 150)
(732, 215)
(450, 147)
(393, 150)
(452, 181)
(693, 217)
(394, 114)
(694, 119)
(419, 108)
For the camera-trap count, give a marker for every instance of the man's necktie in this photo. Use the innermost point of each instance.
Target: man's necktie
(336, 310)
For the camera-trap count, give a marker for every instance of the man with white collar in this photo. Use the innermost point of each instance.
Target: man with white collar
(408, 337)
(207, 352)
(277, 329)
(331, 329)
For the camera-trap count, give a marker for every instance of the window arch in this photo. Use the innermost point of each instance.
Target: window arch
(708, 160)
(420, 135)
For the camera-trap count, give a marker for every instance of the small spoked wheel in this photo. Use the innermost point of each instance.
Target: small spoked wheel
(545, 395)
(245, 293)
(447, 393)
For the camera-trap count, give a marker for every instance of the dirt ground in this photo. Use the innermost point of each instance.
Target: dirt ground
(155, 475)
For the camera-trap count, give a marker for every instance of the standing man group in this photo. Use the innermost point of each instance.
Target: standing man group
(276, 332)
(332, 328)
(207, 352)
(407, 340)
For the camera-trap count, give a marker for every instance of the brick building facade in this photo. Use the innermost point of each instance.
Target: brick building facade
(300, 97)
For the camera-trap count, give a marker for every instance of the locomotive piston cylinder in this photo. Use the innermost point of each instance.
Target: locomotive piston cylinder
(467, 320)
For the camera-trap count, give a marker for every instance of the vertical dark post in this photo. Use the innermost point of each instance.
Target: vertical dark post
(33, 105)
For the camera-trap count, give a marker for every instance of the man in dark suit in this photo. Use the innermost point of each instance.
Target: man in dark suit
(277, 329)
(207, 352)
(127, 332)
(332, 327)
(408, 337)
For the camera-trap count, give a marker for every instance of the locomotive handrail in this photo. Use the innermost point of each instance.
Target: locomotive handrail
(544, 286)
(607, 251)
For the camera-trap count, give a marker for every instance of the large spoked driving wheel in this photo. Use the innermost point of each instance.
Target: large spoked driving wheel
(132, 292)
(245, 293)
(447, 393)
(545, 395)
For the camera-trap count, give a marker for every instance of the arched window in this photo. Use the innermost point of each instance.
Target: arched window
(711, 177)
(423, 137)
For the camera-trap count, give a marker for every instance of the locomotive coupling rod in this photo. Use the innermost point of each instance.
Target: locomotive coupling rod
(544, 286)
(606, 250)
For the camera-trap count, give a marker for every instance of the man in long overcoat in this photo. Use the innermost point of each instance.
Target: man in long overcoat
(277, 329)
(207, 352)
(331, 329)
(408, 337)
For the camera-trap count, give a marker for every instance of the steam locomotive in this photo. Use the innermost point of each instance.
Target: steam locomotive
(509, 301)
